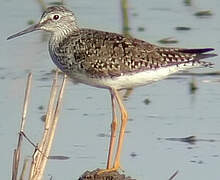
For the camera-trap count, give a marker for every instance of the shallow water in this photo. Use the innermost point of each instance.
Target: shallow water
(173, 112)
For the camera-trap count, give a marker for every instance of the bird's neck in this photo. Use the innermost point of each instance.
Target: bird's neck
(60, 36)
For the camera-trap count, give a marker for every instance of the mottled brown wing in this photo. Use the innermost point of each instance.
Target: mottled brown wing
(109, 54)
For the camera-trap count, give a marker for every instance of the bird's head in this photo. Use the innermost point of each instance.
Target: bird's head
(56, 19)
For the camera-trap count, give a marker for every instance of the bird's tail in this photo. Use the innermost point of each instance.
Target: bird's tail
(200, 54)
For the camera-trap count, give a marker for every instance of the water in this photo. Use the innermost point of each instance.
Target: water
(172, 112)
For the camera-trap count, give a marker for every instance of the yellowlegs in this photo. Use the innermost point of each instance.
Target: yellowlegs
(111, 61)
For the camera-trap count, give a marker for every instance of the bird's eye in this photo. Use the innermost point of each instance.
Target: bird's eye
(56, 17)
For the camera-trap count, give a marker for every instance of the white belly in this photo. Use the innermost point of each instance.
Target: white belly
(133, 80)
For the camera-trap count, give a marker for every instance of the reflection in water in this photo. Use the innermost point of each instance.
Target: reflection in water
(193, 87)
(127, 93)
(190, 139)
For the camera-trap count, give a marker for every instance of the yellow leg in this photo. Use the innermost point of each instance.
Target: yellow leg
(124, 119)
(116, 97)
(113, 132)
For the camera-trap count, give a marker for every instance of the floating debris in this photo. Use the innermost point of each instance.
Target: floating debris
(215, 155)
(134, 14)
(204, 13)
(189, 139)
(133, 154)
(187, 2)
(44, 79)
(43, 118)
(147, 101)
(41, 107)
(141, 29)
(198, 162)
(127, 132)
(168, 40)
(79, 145)
(130, 119)
(72, 109)
(59, 157)
(103, 135)
(182, 28)
(30, 22)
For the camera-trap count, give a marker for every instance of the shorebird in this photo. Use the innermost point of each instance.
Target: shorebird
(111, 61)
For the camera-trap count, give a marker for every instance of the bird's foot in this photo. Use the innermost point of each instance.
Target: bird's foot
(116, 167)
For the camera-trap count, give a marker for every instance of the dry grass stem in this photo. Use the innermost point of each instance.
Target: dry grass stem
(40, 157)
(24, 169)
(17, 151)
(37, 157)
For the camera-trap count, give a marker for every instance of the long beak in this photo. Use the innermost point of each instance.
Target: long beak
(28, 30)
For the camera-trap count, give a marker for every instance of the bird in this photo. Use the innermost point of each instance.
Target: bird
(111, 61)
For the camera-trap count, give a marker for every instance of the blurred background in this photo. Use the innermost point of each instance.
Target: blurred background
(173, 124)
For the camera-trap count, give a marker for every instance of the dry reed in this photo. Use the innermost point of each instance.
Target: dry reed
(17, 151)
(42, 150)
